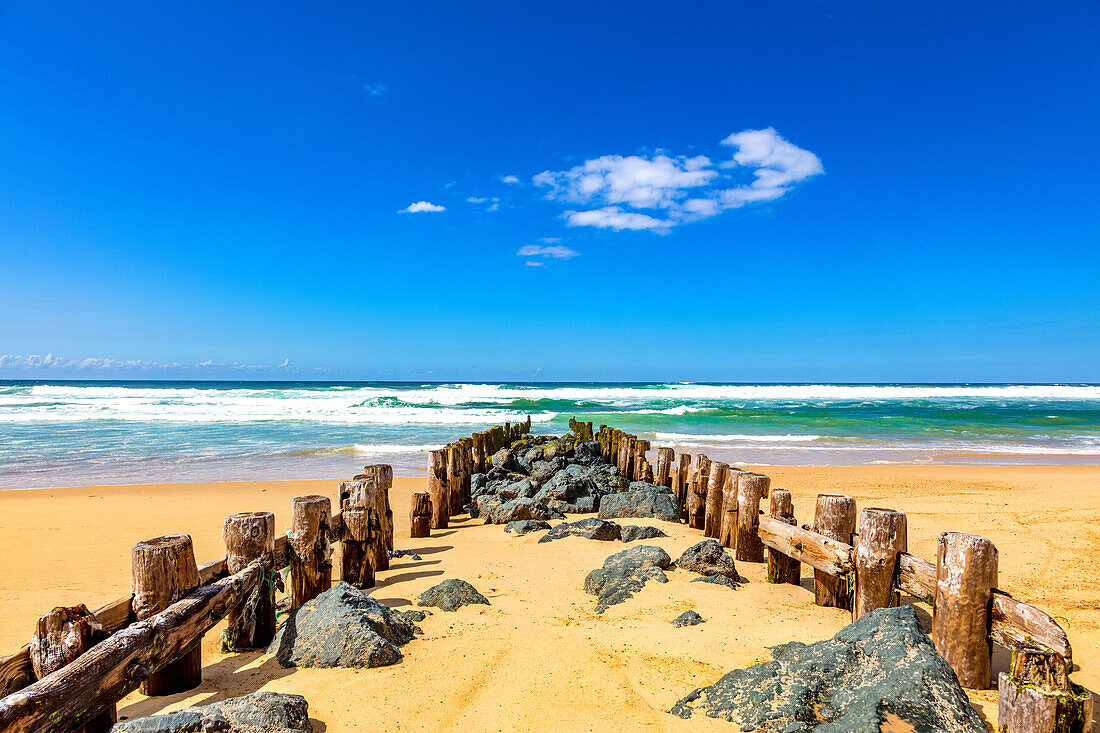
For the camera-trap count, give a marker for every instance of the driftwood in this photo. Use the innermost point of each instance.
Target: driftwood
(716, 483)
(60, 637)
(164, 571)
(420, 515)
(819, 552)
(751, 489)
(84, 689)
(835, 518)
(437, 488)
(250, 537)
(781, 568)
(882, 538)
(966, 574)
(309, 548)
(1036, 696)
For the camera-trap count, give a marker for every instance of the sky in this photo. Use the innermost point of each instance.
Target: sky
(713, 191)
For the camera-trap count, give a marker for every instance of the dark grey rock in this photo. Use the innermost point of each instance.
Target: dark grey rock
(258, 712)
(708, 558)
(416, 615)
(568, 484)
(517, 509)
(625, 573)
(719, 580)
(451, 595)
(633, 532)
(522, 488)
(523, 526)
(479, 484)
(590, 528)
(405, 553)
(484, 504)
(342, 627)
(587, 454)
(543, 471)
(580, 505)
(606, 477)
(688, 618)
(639, 501)
(882, 666)
(503, 458)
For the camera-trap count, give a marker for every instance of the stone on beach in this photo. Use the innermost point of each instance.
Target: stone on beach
(258, 712)
(590, 528)
(451, 595)
(688, 618)
(881, 668)
(342, 627)
(625, 573)
(709, 558)
(524, 526)
(518, 509)
(632, 533)
(640, 501)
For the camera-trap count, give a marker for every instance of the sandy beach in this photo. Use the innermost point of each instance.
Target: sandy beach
(539, 658)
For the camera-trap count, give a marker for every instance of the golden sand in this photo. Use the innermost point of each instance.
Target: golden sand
(539, 658)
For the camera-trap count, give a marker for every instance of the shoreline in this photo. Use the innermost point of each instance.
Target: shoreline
(71, 545)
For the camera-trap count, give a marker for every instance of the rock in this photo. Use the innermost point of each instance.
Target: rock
(589, 528)
(451, 595)
(708, 558)
(522, 488)
(881, 667)
(523, 526)
(503, 458)
(688, 618)
(587, 454)
(633, 532)
(483, 505)
(342, 627)
(479, 484)
(581, 505)
(416, 615)
(542, 471)
(719, 580)
(568, 484)
(625, 573)
(517, 509)
(258, 712)
(640, 500)
(606, 477)
(405, 553)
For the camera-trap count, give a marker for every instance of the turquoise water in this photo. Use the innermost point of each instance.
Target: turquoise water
(79, 433)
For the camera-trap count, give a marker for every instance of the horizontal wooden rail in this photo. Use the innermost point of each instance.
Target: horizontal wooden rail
(818, 551)
(110, 670)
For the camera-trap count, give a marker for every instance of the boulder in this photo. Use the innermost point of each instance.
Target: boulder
(451, 595)
(416, 615)
(542, 471)
(688, 618)
(405, 553)
(607, 478)
(342, 627)
(719, 580)
(708, 558)
(568, 484)
(524, 526)
(587, 454)
(641, 500)
(484, 504)
(589, 528)
(503, 458)
(258, 712)
(625, 573)
(517, 509)
(580, 505)
(881, 668)
(633, 532)
(519, 488)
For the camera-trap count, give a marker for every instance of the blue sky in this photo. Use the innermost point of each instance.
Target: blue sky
(716, 191)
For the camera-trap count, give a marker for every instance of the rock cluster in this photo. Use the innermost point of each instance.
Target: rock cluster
(625, 573)
(258, 712)
(451, 595)
(880, 670)
(342, 627)
(641, 500)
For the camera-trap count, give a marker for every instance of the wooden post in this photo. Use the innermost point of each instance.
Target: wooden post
(882, 538)
(613, 448)
(836, 519)
(248, 537)
(680, 485)
(437, 488)
(60, 637)
(465, 451)
(420, 515)
(727, 533)
(663, 475)
(752, 488)
(164, 571)
(697, 491)
(355, 566)
(309, 548)
(641, 465)
(1036, 696)
(382, 474)
(626, 456)
(781, 568)
(966, 574)
(454, 480)
(712, 509)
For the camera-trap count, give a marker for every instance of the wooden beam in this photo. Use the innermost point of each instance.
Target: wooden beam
(818, 551)
(1018, 624)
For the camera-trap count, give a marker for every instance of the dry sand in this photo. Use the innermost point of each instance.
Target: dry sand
(538, 658)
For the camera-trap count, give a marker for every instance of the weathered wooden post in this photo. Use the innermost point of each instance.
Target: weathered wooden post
(626, 455)
(355, 560)
(309, 548)
(60, 637)
(727, 534)
(467, 467)
(680, 485)
(663, 475)
(697, 491)
(783, 569)
(712, 509)
(382, 473)
(751, 490)
(613, 448)
(248, 537)
(420, 515)
(164, 571)
(1036, 696)
(437, 488)
(966, 574)
(639, 461)
(835, 518)
(454, 480)
(882, 538)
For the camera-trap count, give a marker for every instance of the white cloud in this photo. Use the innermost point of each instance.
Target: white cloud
(659, 192)
(509, 179)
(375, 90)
(37, 362)
(535, 264)
(549, 240)
(492, 202)
(558, 252)
(421, 206)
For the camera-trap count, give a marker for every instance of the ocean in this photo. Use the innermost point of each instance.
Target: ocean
(69, 433)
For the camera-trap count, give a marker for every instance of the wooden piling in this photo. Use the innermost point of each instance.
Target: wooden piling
(437, 488)
(454, 480)
(727, 533)
(781, 568)
(641, 469)
(752, 488)
(248, 537)
(663, 474)
(420, 515)
(698, 474)
(164, 571)
(382, 473)
(966, 574)
(1036, 695)
(680, 484)
(355, 565)
(882, 538)
(60, 637)
(835, 518)
(309, 548)
(712, 509)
